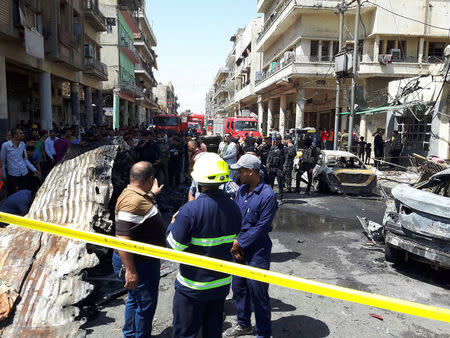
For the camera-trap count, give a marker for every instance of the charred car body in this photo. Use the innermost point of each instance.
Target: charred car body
(343, 172)
(417, 222)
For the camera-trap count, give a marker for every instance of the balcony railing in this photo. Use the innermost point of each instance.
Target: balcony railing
(139, 37)
(96, 67)
(143, 66)
(127, 86)
(91, 7)
(127, 42)
(272, 19)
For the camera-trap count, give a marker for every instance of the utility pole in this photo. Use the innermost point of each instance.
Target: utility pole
(355, 74)
(341, 9)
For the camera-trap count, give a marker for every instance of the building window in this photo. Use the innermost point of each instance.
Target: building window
(436, 52)
(390, 46)
(314, 50)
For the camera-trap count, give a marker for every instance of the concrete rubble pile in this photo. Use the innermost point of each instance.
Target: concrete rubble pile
(41, 275)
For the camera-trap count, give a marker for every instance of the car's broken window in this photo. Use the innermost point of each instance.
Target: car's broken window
(345, 162)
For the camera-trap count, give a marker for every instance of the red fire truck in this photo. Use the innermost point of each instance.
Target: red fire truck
(196, 122)
(170, 123)
(236, 126)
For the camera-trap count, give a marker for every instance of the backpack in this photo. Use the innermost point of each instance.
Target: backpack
(310, 155)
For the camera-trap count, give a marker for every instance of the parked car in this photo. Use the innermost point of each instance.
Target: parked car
(343, 172)
(417, 222)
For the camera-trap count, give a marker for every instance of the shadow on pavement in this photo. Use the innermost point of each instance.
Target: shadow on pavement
(424, 272)
(276, 305)
(290, 201)
(281, 257)
(299, 326)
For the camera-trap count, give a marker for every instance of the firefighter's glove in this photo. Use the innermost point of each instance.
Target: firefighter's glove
(237, 251)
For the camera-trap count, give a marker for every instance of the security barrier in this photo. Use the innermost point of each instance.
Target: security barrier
(266, 276)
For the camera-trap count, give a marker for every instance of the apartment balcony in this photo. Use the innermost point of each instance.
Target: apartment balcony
(286, 14)
(263, 5)
(147, 27)
(295, 66)
(142, 43)
(127, 46)
(148, 97)
(145, 70)
(127, 85)
(244, 93)
(96, 68)
(221, 74)
(94, 16)
(387, 66)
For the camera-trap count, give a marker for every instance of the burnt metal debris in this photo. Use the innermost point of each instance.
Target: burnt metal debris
(41, 275)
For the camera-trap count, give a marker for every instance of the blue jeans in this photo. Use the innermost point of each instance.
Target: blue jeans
(141, 303)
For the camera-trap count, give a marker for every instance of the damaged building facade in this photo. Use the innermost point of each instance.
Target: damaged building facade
(420, 112)
(295, 84)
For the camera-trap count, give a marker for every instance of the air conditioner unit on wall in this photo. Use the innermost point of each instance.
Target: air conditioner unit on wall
(88, 51)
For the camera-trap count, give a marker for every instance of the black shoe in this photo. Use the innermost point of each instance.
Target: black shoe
(297, 190)
(289, 190)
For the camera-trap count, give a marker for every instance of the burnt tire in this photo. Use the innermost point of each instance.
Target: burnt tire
(392, 254)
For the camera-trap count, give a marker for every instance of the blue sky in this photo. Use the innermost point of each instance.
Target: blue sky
(193, 42)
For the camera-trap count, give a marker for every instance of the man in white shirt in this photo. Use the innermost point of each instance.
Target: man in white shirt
(228, 151)
(50, 145)
(15, 163)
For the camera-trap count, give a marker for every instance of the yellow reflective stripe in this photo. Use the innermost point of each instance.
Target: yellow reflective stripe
(174, 244)
(245, 271)
(213, 241)
(203, 285)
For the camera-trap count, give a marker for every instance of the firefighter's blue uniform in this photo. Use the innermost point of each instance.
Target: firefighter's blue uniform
(258, 210)
(206, 226)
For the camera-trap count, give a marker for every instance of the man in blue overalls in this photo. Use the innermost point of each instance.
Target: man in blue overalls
(206, 226)
(258, 205)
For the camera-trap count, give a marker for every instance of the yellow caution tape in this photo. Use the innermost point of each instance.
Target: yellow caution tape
(266, 276)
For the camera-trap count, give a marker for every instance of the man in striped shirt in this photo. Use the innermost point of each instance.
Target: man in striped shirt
(138, 218)
(205, 226)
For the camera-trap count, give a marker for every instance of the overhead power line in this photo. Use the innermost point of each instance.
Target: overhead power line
(408, 18)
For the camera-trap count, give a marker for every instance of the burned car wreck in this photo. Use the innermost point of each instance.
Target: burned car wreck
(343, 172)
(417, 222)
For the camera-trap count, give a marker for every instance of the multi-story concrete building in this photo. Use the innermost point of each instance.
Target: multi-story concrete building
(293, 61)
(225, 82)
(247, 62)
(299, 39)
(50, 61)
(127, 50)
(166, 98)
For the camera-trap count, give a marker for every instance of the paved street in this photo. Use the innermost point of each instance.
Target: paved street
(319, 238)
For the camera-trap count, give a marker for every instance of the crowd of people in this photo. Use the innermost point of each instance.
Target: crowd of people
(230, 208)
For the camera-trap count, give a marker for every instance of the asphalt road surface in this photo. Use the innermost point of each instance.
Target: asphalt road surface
(320, 238)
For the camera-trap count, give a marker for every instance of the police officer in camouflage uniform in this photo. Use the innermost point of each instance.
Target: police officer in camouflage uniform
(289, 156)
(275, 165)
